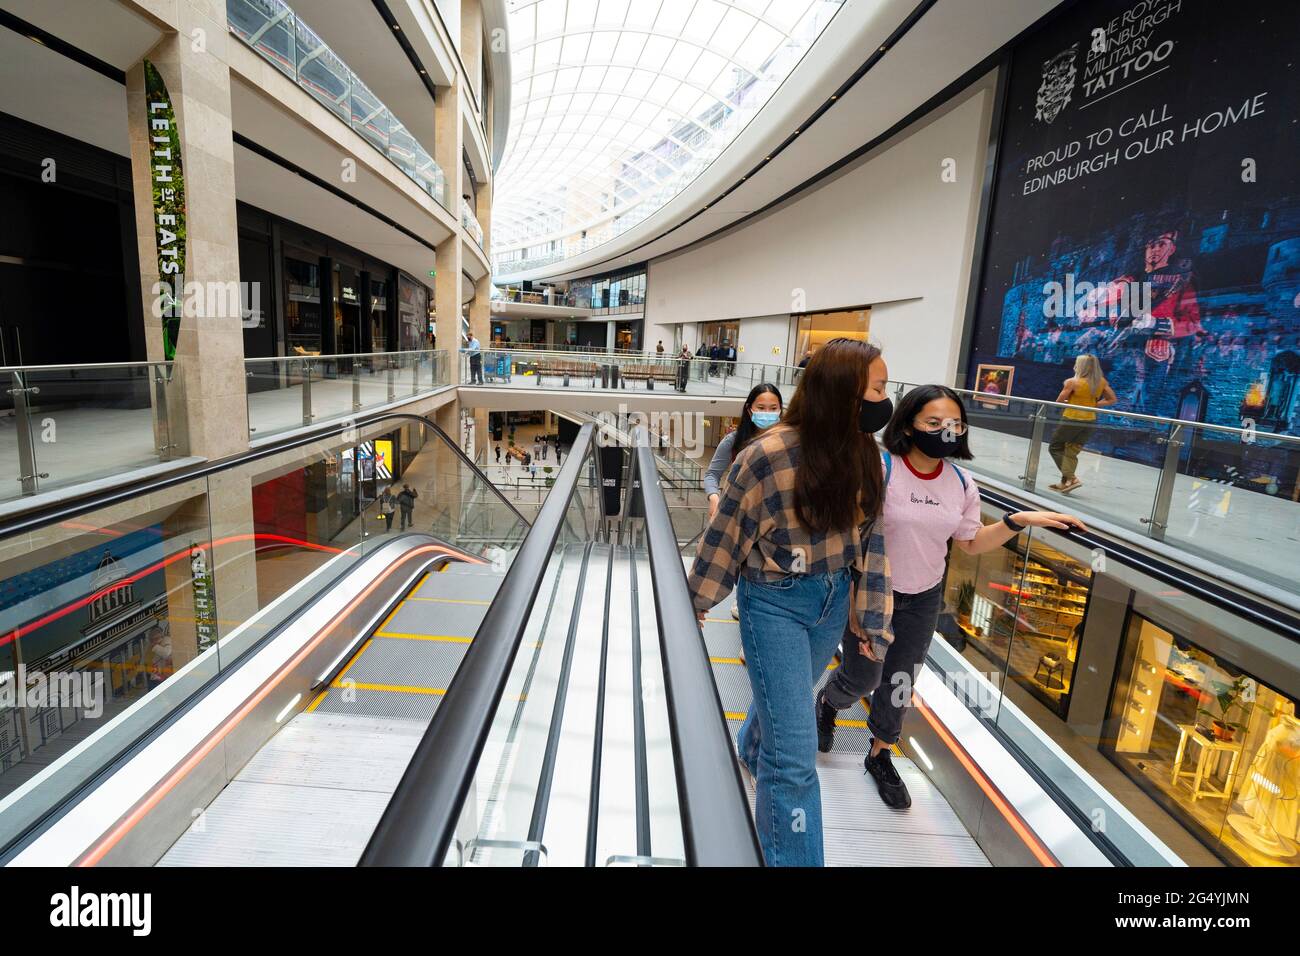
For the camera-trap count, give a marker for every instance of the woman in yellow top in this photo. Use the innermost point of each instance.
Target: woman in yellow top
(1088, 389)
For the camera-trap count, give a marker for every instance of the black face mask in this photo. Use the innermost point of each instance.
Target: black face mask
(873, 416)
(933, 444)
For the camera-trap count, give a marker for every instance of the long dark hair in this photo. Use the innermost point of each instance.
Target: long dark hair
(746, 430)
(839, 464)
(899, 441)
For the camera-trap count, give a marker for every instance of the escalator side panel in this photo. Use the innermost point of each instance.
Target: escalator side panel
(135, 814)
(661, 765)
(505, 786)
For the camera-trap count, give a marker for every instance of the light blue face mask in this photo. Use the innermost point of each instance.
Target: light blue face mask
(765, 419)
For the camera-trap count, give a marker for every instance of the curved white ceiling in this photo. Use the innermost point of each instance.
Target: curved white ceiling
(617, 105)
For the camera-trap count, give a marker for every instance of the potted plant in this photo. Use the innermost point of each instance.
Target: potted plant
(1230, 697)
(965, 602)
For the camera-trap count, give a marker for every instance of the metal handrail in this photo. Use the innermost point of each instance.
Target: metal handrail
(1137, 416)
(419, 824)
(330, 356)
(84, 366)
(717, 829)
(58, 511)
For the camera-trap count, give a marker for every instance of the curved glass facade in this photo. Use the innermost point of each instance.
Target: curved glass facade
(618, 106)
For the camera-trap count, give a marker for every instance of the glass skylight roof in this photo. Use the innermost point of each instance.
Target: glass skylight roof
(618, 104)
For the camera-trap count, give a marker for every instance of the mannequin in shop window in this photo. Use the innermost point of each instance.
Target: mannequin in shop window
(1270, 790)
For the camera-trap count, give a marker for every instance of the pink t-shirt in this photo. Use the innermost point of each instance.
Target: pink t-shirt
(921, 513)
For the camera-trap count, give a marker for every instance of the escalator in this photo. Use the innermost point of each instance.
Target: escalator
(494, 694)
(483, 693)
(313, 793)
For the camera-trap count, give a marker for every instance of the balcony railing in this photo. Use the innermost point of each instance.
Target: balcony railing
(536, 297)
(470, 222)
(274, 31)
(71, 424)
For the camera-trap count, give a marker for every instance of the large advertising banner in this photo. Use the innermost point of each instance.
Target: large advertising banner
(1147, 211)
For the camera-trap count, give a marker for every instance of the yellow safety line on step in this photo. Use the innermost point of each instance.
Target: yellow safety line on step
(732, 660)
(839, 721)
(451, 601)
(316, 703)
(355, 658)
(394, 688)
(448, 638)
(392, 614)
(721, 620)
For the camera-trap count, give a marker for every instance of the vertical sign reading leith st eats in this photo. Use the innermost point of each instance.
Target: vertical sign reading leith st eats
(205, 614)
(168, 181)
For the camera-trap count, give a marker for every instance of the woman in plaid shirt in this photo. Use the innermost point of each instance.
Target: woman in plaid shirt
(795, 528)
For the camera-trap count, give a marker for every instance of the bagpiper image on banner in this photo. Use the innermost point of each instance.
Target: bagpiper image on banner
(168, 180)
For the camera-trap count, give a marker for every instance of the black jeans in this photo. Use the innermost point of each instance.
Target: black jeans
(475, 369)
(408, 519)
(889, 682)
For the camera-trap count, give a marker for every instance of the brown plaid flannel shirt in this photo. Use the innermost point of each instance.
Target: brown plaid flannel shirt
(756, 532)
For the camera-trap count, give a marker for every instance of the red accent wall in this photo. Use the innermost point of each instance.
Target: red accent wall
(280, 505)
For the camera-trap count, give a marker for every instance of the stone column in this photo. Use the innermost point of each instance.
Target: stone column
(448, 146)
(471, 44)
(206, 398)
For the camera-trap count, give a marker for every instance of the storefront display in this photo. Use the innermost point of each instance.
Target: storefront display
(412, 312)
(302, 306)
(379, 315)
(1213, 744)
(1023, 606)
(815, 329)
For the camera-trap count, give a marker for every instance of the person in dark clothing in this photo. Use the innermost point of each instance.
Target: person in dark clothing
(406, 504)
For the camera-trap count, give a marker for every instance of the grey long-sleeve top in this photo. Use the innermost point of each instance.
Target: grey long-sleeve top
(719, 466)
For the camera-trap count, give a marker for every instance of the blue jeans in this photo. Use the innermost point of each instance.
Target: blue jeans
(789, 629)
(889, 682)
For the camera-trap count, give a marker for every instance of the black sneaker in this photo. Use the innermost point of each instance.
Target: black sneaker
(826, 715)
(892, 789)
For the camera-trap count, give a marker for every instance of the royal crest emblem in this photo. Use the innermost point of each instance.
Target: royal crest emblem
(1054, 92)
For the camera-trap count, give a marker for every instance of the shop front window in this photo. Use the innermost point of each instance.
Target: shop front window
(1022, 607)
(378, 315)
(627, 336)
(302, 314)
(1211, 742)
(412, 313)
(347, 310)
(815, 329)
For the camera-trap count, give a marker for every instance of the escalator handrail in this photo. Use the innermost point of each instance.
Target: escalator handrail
(57, 511)
(717, 829)
(419, 824)
(1201, 586)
